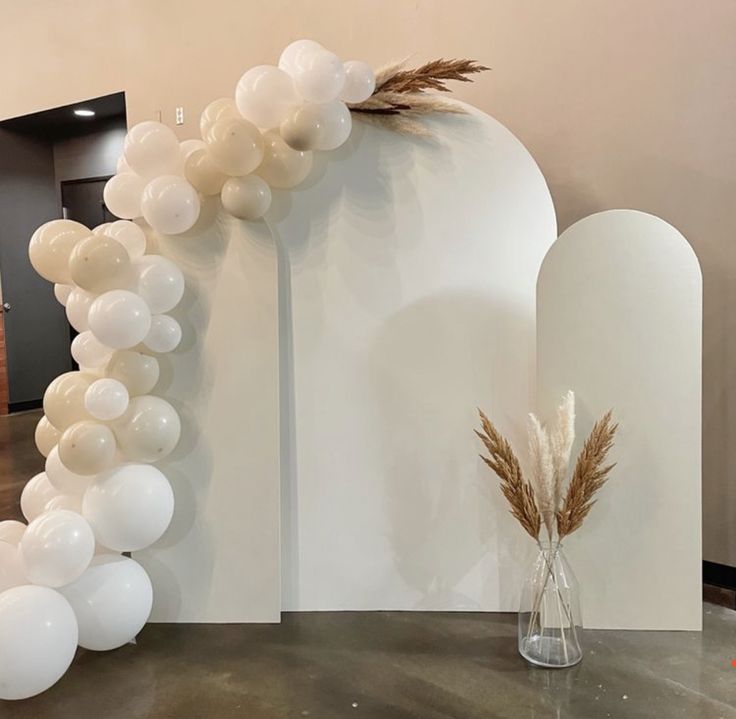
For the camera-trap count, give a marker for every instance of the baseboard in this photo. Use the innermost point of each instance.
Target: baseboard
(719, 575)
(24, 406)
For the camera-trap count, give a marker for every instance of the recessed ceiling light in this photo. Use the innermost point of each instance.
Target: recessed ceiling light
(84, 112)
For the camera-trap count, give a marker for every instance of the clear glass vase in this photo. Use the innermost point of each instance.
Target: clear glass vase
(549, 615)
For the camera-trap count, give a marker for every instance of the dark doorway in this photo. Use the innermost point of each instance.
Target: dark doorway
(82, 201)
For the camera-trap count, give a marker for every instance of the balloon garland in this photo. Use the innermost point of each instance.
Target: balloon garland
(64, 580)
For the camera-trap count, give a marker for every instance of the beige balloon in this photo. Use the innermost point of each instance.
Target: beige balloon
(149, 430)
(247, 198)
(235, 146)
(46, 436)
(137, 371)
(99, 263)
(202, 173)
(51, 246)
(87, 448)
(63, 401)
(282, 166)
(219, 109)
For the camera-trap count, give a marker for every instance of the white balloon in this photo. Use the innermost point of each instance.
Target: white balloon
(100, 263)
(129, 507)
(88, 351)
(56, 548)
(293, 54)
(106, 398)
(203, 174)
(360, 81)
(101, 229)
(87, 447)
(61, 478)
(170, 204)
(148, 431)
(160, 283)
(11, 530)
(235, 145)
(62, 292)
(122, 195)
(112, 601)
(51, 246)
(282, 166)
(77, 308)
(38, 637)
(138, 372)
(187, 147)
(265, 95)
(247, 198)
(164, 335)
(63, 401)
(318, 127)
(319, 76)
(37, 492)
(72, 502)
(46, 436)
(219, 109)
(130, 236)
(152, 149)
(119, 319)
(11, 570)
(335, 125)
(122, 165)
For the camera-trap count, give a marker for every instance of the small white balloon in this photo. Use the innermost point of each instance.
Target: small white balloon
(320, 127)
(37, 492)
(87, 447)
(56, 548)
(51, 246)
(11, 530)
(187, 147)
(137, 371)
(62, 292)
(235, 146)
(160, 283)
(130, 236)
(203, 174)
(294, 54)
(61, 478)
(119, 319)
(123, 193)
(282, 166)
(46, 436)
(164, 335)
(106, 399)
(170, 204)
(149, 430)
(247, 198)
(63, 401)
(71, 502)
(319, 76)
(112, 601)
(152, 149)
(360, 81)
(100, 263)
(38, 636)
(88, 351)
(220, 109)
(265, 95)
(129, 507)
(77, 308)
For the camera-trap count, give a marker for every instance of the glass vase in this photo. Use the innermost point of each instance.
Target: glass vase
(549, 615)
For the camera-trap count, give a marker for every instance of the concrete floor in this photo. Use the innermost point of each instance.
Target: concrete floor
(377, 665)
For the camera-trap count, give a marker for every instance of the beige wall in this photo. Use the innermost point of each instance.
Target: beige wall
(624, 103)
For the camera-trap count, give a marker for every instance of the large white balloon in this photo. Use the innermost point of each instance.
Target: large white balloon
(235, 145)
(148, 431)
(247, 198)
(129, 235)
(170, 204)
(265, 95)
(202, 173)
(129, 507)
(319, 76)
(282, 166)
(87, 447)
(220, 109)
(46, 436)
(35, 495)
(61, 478)
(112, 601)
(295, 53)
(11, 530)
(62, 292)
(77, 308)
(38, 640)
(317, 127)
(63, 401)
(88, 351)
(152, 149)
(119, 319)
(164, 335)
(360, 81)
(137, 371)
(100, 263)
(106, 398)
(160, 283)
(51, 246)
(56, 548)
(122, 194)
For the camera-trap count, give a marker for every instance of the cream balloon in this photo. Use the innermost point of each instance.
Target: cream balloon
(88, 351)
(100, 263)
(119, 319)
(12, 573)
(37, 492)
(87, 447)
(148, 431)
(106, 399)
(51, 246)
(160, 283)
(265, 95)
(187, 147)
(11, 530)
(235, 145)
(247, 198)
(46, 436)
(62, 292)
(296, 52)
(101, 229)
(321, 127)
(77, 308)
(123, 193)
(38, 636)
(56, 548)
(170, 204)
(152, 149)
(71, 502)
(282, 166)
(129, 507)
(360, 81)
(130, 236)
(138, 372)
(220, 109)
(164, 335)
(112, 601)
(61, 478)
(202, 173)
(63, 401)
(319, 76)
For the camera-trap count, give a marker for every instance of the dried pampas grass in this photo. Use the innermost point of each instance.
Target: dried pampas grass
(561, 439)
(543, 473)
